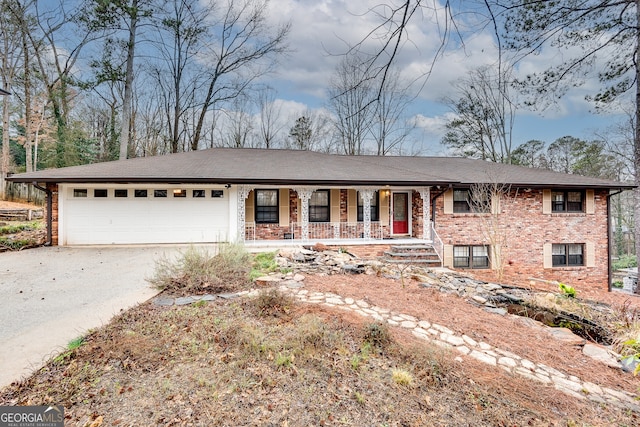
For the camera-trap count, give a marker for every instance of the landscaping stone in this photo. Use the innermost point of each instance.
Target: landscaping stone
(163, 301)
(565, 335)
(600, 354)
(267, 281)
(185, 300)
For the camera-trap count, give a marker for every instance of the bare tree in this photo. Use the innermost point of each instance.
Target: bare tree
(485, 113)
(488, 200)
(270, 123)
(11, 58)
(241, 49)
(350, 102)
(240, 124)
(390, 127)
(182, 28)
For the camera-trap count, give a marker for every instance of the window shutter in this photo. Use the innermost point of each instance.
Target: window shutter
(283, 200)
(448, 256)
(384, 208)
(548, 255)
(590, 256)
(590, 202)
(352, 206)
(448, 202)
(249, 207)
(334, 201)
(546, 201)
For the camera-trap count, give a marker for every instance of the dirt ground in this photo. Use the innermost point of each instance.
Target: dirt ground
(521, 336)
(4, 204)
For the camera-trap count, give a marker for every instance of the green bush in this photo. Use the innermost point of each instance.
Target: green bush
(625, 261)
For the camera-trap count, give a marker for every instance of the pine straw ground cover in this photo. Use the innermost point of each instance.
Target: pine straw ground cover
(269, 361)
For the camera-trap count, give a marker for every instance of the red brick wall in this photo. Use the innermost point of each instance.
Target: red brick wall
(416, 215)
(53, 188)
(528, 229)
(364, 251)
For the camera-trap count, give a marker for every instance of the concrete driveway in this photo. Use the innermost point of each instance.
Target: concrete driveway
(49, 296)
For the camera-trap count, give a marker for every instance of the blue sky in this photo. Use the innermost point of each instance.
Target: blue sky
(321, 30)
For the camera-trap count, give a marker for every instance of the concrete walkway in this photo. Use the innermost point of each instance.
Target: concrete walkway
(51, 295)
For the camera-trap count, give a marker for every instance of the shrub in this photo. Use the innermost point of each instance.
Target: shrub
(567, 290)
(624, 261)
(196, 271)
(377, 335)
(402, 377)
(272, 303)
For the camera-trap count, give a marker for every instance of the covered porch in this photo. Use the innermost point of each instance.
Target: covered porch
(335, 216)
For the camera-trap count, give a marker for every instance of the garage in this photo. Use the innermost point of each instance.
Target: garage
(136, 214)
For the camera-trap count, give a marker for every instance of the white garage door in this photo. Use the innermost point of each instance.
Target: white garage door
(129, 215)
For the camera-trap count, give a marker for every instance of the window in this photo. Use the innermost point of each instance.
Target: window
(566, 201)
(319, 206)
(197, 194)
(100, 192)
(139, 193)
(464, 201)
(79, 192)
(471, 257)
(179, 192)
(159, 193)
(461, 201)
(375, 212)
(121, 192)
(267, 206)
(217, 194)
(571, 254)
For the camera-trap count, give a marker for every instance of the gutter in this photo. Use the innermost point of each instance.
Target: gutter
(49, 212)
(609, 232)
(433, 203)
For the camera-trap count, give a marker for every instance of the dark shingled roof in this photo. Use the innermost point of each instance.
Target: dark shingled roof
(293, 167)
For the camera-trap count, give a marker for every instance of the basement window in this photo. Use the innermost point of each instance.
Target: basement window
(79, 192)
(179, 192)
(197, 194)
(121, 192)
(140, 193)
(471, 256)
(565, 255)
(159, 193)
(100, 192)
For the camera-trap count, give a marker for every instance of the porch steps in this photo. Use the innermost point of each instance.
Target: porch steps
(413, 254)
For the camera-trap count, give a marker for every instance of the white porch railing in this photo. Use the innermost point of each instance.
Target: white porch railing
(436, 241)
(336, 231)
(323, 231)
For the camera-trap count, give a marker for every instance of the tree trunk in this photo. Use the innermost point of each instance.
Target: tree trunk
(128, 84)
(6, 154)
(636, 139)
(27, 105)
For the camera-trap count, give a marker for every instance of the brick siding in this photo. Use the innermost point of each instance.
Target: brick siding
(528, 229)
(53, 188)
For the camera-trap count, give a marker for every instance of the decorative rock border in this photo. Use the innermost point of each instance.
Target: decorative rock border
(443, 337)
(467, 346)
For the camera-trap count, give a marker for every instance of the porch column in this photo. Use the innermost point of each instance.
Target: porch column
(425, 195)
(367, 195)
(304, 194)
(243, 192)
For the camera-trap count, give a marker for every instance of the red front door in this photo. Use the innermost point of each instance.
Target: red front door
(400, 213)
